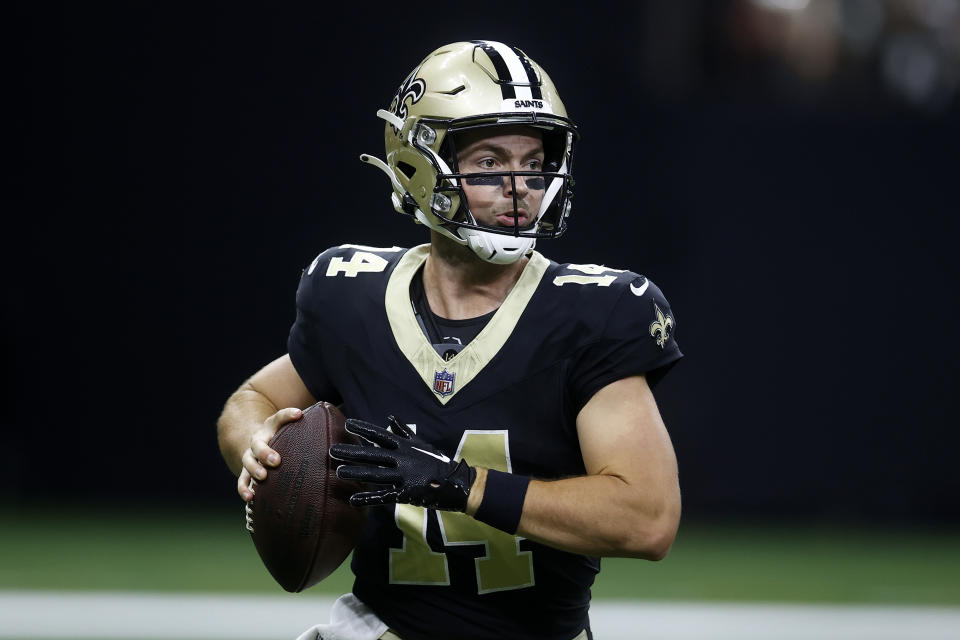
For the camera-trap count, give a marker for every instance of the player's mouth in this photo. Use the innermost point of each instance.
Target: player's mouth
(507, 219)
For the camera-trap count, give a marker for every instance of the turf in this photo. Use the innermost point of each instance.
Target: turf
(209, 551)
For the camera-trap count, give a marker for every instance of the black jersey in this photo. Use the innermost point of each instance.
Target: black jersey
(507, 401)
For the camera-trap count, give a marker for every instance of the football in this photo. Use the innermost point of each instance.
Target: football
(300, 518)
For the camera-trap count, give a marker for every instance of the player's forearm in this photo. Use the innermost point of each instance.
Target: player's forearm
(244, 413)
(599, 515)
(602, 515)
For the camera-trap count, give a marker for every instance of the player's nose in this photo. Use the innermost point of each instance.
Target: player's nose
(515, 183)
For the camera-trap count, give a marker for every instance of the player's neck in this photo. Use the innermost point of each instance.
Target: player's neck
(460, 285)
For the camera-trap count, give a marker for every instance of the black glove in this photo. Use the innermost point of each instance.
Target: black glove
(418, 473)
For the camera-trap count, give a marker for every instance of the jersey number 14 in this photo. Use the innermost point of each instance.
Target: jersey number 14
(503, 565)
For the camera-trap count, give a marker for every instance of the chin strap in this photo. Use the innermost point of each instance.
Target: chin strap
(496, 248)
(552, 191)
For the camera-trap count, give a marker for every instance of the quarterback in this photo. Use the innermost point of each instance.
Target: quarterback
(509, 434)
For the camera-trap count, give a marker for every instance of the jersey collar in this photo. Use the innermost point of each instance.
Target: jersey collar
(464, 366)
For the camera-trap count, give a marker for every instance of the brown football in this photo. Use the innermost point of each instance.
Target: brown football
(300, 519)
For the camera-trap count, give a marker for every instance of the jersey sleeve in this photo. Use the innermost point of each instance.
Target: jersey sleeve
(639, 338)
(305, 344)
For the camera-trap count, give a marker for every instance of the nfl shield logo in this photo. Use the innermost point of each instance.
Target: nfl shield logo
(443, 383)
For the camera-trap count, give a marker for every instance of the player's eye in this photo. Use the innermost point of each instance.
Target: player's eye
(487, 163)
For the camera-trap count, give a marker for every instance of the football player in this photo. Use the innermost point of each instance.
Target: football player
(510, 437)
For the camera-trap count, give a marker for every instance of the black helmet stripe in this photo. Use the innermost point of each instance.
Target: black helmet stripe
(503, 73)
(515, 75)
(531, 74)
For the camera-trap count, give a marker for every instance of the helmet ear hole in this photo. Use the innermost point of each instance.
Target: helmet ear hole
(408, 170)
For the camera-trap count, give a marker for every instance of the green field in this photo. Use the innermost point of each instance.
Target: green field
(190, 551)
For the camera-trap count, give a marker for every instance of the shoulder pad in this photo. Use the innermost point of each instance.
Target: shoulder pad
(351, 259)
(591, 281)
(622, 304)
(643, 308)
(345, 270)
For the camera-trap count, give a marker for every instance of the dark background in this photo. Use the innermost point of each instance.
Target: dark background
(784, 170)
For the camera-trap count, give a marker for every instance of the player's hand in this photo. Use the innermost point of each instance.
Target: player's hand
(259, 455)
(417, 472)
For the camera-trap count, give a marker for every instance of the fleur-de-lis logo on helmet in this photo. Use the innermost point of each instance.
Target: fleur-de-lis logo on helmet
(411, 89)
(660, 328)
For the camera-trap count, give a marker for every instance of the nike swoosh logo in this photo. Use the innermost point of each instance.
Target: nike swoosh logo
(639, 291)
(440, 457)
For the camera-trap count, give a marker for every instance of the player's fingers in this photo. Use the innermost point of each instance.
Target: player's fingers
(399, 427)
(371, 433)
(245, 486)
(263, 453)
(373, 498)
(259, 443)
(375, 475)
(360, 453)
(252, 465)
(284, 416)
(345, 452)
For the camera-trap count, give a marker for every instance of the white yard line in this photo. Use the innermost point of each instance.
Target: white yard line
(146, 616)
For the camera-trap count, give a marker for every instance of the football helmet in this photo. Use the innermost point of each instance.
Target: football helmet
(470, 86)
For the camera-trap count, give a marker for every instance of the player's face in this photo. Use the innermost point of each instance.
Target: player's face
(491, 199)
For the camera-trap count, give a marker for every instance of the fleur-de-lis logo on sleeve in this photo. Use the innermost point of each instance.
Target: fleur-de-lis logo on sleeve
(660, 328)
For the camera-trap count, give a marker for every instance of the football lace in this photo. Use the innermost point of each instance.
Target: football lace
(248, 508)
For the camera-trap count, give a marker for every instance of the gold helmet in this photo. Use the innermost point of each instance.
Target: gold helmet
(468, 86)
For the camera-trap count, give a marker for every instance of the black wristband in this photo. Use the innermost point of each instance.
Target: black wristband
(502, 503)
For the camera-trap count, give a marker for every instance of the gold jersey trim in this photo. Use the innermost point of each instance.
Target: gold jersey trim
(480, 351)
